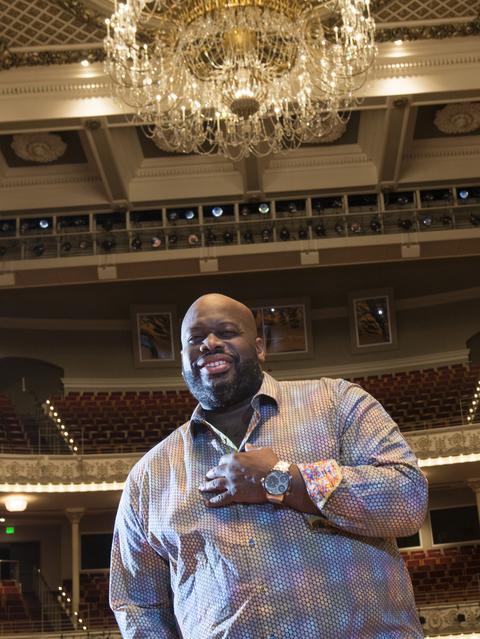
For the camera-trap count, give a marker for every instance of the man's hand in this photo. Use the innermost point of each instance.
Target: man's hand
(237, 477)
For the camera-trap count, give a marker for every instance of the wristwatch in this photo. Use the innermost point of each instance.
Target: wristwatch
(277, 482)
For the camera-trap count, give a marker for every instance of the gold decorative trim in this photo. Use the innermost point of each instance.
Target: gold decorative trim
(9, 59)
(432, 32)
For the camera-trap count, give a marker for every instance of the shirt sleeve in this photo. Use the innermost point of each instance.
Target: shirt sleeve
(375, 488)
(140, 594)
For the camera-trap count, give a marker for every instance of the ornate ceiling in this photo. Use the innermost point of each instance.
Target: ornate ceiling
(67, 145)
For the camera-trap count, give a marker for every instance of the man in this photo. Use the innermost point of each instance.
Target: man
(212, 538)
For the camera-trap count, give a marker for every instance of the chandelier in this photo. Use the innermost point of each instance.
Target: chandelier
(239, 77)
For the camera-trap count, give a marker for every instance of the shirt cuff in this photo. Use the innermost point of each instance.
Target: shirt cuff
(321, 479)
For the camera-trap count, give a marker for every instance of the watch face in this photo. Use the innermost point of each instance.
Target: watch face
(277, 482)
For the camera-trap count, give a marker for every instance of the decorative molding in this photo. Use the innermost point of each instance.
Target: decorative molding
(84, 14)
(38, 147)
(47, 180)
(442, 618)
(88, 88)
(426, 62)
(427, 32)
(455, 119)
(291, 162)
(10, 59)
(199, 168)
(445, 442)
(443, 153)
(63, 469)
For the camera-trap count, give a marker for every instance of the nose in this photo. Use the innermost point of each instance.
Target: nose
(211, 342)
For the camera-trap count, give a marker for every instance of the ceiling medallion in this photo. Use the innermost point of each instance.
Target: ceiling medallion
(38, 147)
(455, 119)
(239, 77)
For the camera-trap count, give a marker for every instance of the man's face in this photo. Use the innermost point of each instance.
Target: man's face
(221, 353)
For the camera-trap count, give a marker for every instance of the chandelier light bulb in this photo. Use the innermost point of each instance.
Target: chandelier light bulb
(238, 78)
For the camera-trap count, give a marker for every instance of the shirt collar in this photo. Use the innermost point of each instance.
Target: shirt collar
(270, 390)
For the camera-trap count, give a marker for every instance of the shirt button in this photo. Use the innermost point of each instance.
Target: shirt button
(251, 542)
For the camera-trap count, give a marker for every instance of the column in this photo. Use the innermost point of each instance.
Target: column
(475, 486)
(74, 515)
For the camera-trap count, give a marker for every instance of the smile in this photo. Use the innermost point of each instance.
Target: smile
(216, 366)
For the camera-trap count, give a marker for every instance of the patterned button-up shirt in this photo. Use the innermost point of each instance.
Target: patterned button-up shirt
(180, 569)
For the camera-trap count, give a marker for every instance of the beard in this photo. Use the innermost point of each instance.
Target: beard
(222, 394)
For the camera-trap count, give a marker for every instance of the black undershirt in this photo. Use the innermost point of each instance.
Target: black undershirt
(233, 421)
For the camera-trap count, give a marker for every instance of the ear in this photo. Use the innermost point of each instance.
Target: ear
(260, 348)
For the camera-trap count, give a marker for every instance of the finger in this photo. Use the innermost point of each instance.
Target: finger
(249, 447)
(218, 484)
(216, 471)
(222, 499)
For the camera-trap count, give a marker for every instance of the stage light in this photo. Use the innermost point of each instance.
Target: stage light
(193, 239)
(263, 208)
(38, 250)
(446, 220)
(427, 220)
(228, 237)
(217, 211)
(108, 245)
(338, 228)
(43, 224)
(398, 43)
(85, 63)
(82, 244)
(303, 233)
(284, 234)
(211, 237)
(292, 207)
(156, 241)
(405, 224)
(107, 224)
(356, 228)
(464, 194)
(266, 235)
(136, 243)
(172, 238)
(320, 230)
(190, 214)
(66, 247)
(172, 216)
(248, 237)
(244, 210)
(375, 225)
(475, 219)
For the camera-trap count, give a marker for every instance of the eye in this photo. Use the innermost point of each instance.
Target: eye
(194, 339)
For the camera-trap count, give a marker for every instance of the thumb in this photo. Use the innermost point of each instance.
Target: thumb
(249, 447)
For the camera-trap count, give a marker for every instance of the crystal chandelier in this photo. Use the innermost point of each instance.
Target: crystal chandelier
(239, 77)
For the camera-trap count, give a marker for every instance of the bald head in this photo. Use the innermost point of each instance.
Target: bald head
(213, 303)
(221, 353)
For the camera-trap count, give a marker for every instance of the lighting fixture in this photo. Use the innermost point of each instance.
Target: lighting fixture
(189, 214)
(263, 208)
(136, 243)
(108, 244)
(228, 237)
(38, 250)
(193, 239)
(43, 223)
(244, 210)
(405, 224)
(338, 228)
(320, 230)
(355, 228)
(217, 211)
(398, 43)
(248, 237)
(82, 244)
(172, 238)
(292, 207)
(303, 233)
(172, 216)
(266, 235)
(16, 503)
(157, 241)
(66, 247)
(427, 220)
(238, 78)
(463, 194)
(284, 234)
(85, 63)
(211, 237)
